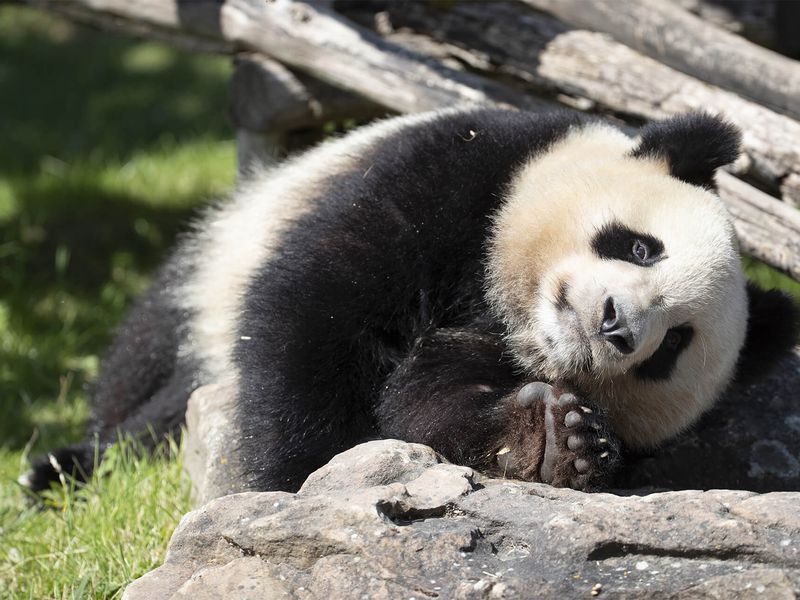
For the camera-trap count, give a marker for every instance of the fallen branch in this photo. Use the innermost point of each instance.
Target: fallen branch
(316, 40)
(267, 97)
(767, 230)
(682, 40)
(276, 111)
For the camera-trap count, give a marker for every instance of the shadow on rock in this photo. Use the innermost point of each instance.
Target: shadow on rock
(749, 441)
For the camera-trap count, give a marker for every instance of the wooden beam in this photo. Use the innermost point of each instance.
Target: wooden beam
(314, 39)
(676, 37)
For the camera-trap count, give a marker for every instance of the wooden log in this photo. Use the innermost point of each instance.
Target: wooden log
(682, 40)
(314, 39)
(83, 13)
(508, 40)
(767, 230)
(276, 111)
(265, 96)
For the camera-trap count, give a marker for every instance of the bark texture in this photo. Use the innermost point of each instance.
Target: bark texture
(674, 36)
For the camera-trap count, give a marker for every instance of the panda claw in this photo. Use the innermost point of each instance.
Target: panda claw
(557, 441)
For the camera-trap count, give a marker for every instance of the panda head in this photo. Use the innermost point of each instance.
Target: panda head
(615, 267)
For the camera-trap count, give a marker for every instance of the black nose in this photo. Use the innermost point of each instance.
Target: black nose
(615, 327)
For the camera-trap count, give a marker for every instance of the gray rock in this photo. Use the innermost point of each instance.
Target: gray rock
(438, 532)
(210, 456)
(370, 464)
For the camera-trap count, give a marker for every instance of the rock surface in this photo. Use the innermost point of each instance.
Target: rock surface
(391, 520)
(388, 520)
(211, 450)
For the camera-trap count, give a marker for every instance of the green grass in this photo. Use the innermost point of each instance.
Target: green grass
(91, 542)
(769, 278)
(109, 145)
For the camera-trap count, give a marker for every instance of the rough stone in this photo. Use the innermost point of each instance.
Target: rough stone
(370, 464)
(438, 531)
(388, 519)
(210, 453)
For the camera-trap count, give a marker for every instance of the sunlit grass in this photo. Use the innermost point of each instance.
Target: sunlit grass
(109, 147)
(768, 278)
(92, 541)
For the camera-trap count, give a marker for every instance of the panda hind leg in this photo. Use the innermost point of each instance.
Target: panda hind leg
(158, 418)
(71, 462)
(575, 447)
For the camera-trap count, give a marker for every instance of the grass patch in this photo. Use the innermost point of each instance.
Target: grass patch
(92, 541)
(768, 278)
(110, 145)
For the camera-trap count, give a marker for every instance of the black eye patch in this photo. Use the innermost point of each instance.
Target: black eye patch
(662, 362)
(615, 241)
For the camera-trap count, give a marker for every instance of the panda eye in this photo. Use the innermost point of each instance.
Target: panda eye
(640, 250)
(615, 241)
(673, 339)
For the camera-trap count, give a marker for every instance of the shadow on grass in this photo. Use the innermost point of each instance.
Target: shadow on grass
(74, 92)
(80, 231)
(69, 271)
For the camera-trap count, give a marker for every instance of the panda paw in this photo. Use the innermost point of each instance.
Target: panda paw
(568, 443)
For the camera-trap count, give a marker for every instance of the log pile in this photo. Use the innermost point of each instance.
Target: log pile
(301, 65)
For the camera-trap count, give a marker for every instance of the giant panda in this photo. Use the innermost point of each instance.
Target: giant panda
(526, 293)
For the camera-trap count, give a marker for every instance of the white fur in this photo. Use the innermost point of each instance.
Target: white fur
(542, 237)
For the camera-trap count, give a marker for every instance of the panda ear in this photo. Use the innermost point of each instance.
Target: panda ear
(694, 145)
(773, 326)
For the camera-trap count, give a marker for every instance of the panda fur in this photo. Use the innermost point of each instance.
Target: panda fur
(465, 279)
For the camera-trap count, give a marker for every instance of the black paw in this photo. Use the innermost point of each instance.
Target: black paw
(579, 450)
(61, 465)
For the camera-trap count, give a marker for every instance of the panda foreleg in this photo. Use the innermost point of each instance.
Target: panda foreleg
(458, 393)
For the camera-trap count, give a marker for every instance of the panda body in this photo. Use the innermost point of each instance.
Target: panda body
(462, 279)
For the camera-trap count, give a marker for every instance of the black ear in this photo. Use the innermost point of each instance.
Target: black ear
(694, 146)
(773, 326)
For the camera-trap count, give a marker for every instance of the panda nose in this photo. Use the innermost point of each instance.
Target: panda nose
(614, 327)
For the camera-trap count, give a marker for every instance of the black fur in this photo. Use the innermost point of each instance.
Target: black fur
(447, 393)
(694, 146)
(773, 328)
(614, 241)
(76, 462)
(660, 365)
(388, 257)
(142, 389)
